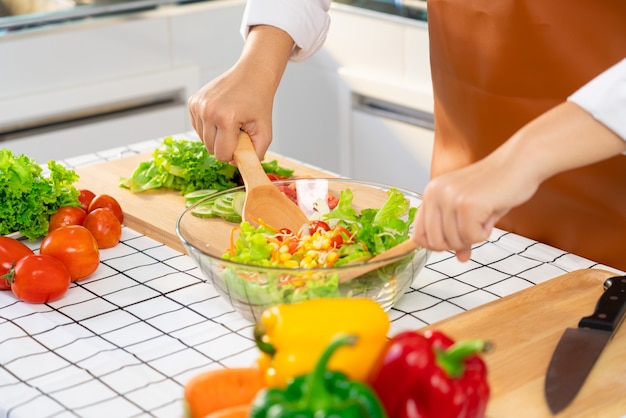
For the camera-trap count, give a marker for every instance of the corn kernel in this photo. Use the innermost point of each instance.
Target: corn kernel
(284, 256)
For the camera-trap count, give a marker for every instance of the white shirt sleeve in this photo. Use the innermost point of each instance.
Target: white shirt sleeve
(306, 21)
(604, 98)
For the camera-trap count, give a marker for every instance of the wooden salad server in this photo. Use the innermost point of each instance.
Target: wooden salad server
(263, 199)
(376, 262)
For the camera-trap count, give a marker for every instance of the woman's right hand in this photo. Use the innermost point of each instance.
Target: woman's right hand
(243, 97)
(230, 103)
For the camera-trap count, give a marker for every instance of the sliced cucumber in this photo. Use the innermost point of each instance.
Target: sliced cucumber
(224, 203)
(204, 210)
(239, 199)
(196, 196)
(227, 207)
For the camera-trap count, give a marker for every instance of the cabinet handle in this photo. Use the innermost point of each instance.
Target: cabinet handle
(77, 117)
(394, 111)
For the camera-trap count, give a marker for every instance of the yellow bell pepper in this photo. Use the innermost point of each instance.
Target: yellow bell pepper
(291, 337)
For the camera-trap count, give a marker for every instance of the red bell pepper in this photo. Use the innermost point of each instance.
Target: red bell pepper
(429, 375)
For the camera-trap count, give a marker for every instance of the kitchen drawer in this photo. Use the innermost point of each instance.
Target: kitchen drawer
(105, 132)
(81, 54)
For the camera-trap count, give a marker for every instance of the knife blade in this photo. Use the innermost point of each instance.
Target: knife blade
(579, 348)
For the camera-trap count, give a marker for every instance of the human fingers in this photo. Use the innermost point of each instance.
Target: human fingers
(426, 227)
(200, 121)
(225, 143)
(453, 215)
(260, 132)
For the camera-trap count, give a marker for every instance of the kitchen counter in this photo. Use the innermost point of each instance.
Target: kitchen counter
(124, 341)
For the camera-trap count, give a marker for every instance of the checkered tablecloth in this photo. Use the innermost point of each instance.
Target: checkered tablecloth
(123, 342)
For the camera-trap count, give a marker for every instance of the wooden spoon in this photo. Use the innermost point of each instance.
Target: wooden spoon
(402, 248)
(263, 200)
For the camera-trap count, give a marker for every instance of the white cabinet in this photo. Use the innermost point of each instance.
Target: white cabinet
(79, 139)
(366, 55)
(83, 86)
(390, 151)
(207, 35)
(384, 64)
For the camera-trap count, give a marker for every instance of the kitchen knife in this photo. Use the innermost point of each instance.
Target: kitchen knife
(579, 348)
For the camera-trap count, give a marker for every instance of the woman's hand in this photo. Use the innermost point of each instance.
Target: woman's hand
(460, 208)
(242, 98)
(227, 104)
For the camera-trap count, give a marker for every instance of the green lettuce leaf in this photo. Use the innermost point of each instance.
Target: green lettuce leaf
(28, 197)
(187, 166)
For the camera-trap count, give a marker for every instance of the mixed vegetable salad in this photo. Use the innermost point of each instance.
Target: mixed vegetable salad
(336, 237)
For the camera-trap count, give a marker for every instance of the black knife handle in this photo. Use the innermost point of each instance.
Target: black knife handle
(611, 306)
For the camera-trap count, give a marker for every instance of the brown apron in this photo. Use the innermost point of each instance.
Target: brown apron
(498, 64)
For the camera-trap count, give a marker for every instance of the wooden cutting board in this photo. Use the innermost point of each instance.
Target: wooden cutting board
(525, 328)
(154, 213)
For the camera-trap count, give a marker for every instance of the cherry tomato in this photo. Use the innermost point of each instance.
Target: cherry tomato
(67, 215)
(11, 250)
(104, 226)
(275, 177)
(317, 225)
(345, 233)
(39, 278)
(340, 236)
(106, 201)
(332, 200)
(289, 191)
(75, 247)
(85, 197)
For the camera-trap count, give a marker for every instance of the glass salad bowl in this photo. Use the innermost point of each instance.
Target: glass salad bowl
(255, 268)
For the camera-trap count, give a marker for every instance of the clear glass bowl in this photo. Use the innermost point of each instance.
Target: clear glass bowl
(250, 289)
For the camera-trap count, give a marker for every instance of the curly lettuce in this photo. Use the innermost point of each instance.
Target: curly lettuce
(187, 166)
(28, 197)
(379, 229)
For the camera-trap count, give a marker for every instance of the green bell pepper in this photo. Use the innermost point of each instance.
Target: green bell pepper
(321, 393)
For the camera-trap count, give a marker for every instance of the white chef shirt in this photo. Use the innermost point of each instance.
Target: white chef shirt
(307, 22)
(604, 98)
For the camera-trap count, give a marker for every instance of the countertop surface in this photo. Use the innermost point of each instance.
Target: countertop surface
(124, 341)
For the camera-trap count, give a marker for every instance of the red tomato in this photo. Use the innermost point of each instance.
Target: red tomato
(345, 233)
(85, 197)
(40, 279)
(316, 225)
(106, 201)
(275, 177)
(75, 247)
(332, 201)
(67, 215)
(341, 235)
(104, 226)
(289, 191)
(11, 250)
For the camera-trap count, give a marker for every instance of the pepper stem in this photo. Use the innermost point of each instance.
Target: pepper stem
(317, 394)
(9, 275)
(260, 337)
(452, 359)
